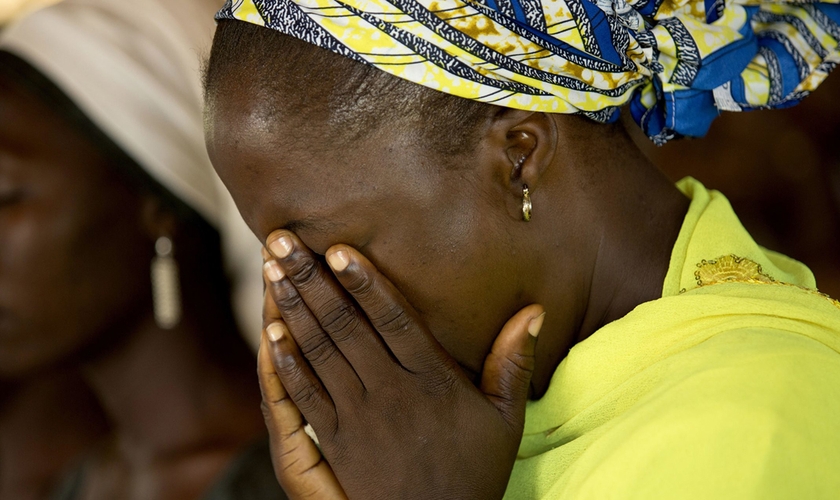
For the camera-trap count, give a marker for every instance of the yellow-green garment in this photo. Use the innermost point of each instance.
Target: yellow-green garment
(726, 387)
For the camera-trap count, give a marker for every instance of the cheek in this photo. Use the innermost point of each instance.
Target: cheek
(67, 270)
(464, 307)
(461, 280)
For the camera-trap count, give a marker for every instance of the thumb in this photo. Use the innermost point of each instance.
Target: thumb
(507, 372)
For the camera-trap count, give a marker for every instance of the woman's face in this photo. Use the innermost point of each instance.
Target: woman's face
(73, 262)
(444, 236)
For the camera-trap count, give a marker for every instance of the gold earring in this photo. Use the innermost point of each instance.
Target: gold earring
(526, 203)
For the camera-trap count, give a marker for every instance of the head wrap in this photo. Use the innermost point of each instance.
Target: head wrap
(133, 67)
(678, 62)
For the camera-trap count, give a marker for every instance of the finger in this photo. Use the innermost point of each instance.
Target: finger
(298, 378)
(317, 347)
(508, 368)
(333, 309)
(270, 312)
(298, 464)
(387, 310)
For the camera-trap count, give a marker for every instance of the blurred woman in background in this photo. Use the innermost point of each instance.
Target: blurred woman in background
(105, 189)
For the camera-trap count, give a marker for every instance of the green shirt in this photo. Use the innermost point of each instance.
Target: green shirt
(726, 387)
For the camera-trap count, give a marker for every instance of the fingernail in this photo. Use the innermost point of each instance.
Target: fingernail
(273, 271)
(281, 247)
(338, 260)
(535, 325)
(276, 331)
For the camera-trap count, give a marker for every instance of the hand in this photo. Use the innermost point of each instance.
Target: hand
(298, 464)
(395, 415)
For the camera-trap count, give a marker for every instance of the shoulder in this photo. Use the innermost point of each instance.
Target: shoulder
(749, 413)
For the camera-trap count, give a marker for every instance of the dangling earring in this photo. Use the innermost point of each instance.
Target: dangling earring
(166, 289)
(526, 195)
(526, 203)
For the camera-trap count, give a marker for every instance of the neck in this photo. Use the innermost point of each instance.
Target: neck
(634, 251)
(638, 212)
(165, 395)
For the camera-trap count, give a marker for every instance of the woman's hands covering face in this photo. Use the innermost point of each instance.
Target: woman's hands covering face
(395, 415)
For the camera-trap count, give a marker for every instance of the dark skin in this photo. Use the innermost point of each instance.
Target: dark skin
(34, 452)
(453, 242)
(364, 357)
(76, 239)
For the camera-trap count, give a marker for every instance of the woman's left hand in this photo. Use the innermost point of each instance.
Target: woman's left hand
(395, 415)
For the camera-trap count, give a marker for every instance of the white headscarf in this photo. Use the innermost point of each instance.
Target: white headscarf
(133, 67)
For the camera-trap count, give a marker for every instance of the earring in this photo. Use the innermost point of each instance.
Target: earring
(166, 289)
(526, 203)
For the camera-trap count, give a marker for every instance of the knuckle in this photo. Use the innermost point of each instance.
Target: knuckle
(391, 318)
(440, 384)
(520, 364)
(286, 453)
(292, 374)
(339, 316)
(349, 335)
(268, 416)
(360, 284)
(287, 300)
(306, 397)
(343, 323)
(272, 422)
(289, 372)
(318, 349)
(303, 269)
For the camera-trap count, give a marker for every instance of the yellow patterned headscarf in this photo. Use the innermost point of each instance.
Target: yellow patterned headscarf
(677, 62)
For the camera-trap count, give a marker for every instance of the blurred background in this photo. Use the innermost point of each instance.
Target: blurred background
(11, 8)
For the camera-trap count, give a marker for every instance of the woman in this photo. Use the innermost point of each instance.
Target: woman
(676, 358)
(111, 254)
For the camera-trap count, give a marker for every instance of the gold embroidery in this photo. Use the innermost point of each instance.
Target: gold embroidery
(734, 269)
(730, 268)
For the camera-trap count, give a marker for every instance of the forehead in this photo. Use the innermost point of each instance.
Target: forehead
(35, 133)
(283, 172)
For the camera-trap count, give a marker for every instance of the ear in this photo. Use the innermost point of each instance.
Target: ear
(156, 219)
(528, 142)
